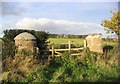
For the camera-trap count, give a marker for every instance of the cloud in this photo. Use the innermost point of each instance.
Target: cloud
(11, 8)
(59, 26)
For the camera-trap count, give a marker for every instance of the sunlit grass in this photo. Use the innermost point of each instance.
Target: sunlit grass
(75, 41)
(65, 40)
(109, 43)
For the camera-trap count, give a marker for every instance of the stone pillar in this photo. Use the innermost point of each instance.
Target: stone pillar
(94, 42)
(26, 43)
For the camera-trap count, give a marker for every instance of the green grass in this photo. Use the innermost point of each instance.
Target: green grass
(76, 42)
(65, 40)
(109, 43)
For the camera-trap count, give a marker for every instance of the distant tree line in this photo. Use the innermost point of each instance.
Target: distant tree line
(66, 36)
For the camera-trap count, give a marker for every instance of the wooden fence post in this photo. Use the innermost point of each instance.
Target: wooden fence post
(52, 49)
(85, 43)
(69, 44)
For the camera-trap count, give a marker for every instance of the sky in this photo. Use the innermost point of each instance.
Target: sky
(56, 17)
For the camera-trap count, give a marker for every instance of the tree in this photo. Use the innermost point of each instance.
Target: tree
(71, 36)
(113, 26)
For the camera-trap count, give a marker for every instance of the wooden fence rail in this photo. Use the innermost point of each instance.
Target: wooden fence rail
(53, 50)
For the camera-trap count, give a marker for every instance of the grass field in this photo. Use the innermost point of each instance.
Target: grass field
(65, 40)
(109, 43)
(76, 42)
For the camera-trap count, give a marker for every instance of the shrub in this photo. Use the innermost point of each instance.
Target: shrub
(68, 68)
(15, 69)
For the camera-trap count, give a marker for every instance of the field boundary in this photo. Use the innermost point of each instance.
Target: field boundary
(57, 51)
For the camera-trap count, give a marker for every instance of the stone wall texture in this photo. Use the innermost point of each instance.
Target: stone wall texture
(25, 41)
(94, 43)
(28, 45)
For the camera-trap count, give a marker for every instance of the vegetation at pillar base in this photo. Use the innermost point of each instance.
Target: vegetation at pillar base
(9, 47)
(66, 68)
(85, 68)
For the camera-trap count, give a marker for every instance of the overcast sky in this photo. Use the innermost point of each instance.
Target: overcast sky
(56, 17)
